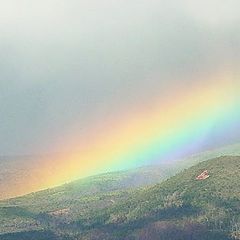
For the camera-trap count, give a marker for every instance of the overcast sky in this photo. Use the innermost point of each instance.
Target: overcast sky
(87, 60)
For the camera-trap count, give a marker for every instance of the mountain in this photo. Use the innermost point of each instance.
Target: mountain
(180, 208)
(27, 213)
(15, 169)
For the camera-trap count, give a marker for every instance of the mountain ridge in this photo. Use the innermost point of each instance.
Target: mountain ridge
(11, 175)
(179, 204)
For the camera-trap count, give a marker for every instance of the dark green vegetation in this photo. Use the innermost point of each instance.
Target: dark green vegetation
(179, 208)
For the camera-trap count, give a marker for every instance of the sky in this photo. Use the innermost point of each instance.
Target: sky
(66, 66)
(79, 74)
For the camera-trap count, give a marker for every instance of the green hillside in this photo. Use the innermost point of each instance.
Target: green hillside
(207, 209)
(180, 208)
(28, 213)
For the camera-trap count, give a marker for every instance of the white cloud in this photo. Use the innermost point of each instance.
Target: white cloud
(213, 12)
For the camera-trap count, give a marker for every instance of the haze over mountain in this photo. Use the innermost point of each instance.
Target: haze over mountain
(15, 170)
(115, 84)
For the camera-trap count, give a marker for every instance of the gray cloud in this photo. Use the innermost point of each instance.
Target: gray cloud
(88, 60)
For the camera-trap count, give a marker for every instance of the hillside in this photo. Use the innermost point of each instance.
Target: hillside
(208, 209)
(15, 169)
(180, 208)
(183, 202)
(27, 213)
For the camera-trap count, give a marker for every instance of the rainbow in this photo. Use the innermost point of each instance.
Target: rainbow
(151, 134)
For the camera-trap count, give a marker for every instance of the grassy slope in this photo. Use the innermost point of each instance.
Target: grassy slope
(212, 203)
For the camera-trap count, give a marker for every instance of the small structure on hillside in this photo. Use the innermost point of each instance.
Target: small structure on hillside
(204, 175)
